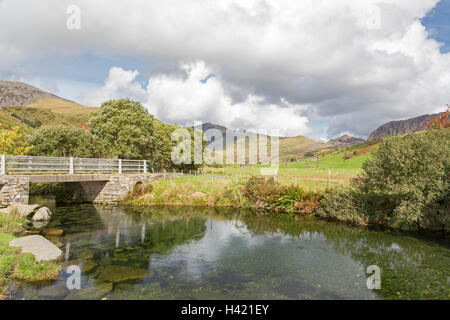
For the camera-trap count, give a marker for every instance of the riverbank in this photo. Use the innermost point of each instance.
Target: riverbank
(17, 266)
(250, 193)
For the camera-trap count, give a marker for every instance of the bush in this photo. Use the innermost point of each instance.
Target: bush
(342, 205)
(262, 193)
(266, 194)
(405, 185)
(291, 197)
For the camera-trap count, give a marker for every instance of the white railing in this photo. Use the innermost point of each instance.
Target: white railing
(48, 165)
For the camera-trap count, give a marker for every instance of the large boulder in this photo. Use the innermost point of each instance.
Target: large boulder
(42, 249)
(43, 214)
(24, 210)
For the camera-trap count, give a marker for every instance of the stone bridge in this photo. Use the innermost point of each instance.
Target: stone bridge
(78, 181)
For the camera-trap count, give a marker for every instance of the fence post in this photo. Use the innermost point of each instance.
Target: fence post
(145, 166)
(328, 180)
(120, 166)
(71, 171)
(296, 182)
(2, 164)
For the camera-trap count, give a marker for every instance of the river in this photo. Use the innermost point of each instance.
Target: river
(198, 253)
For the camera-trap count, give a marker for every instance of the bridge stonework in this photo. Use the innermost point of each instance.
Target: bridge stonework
(101, 189)
(14, 189)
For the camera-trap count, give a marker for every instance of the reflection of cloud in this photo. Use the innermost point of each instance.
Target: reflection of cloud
(220, 237)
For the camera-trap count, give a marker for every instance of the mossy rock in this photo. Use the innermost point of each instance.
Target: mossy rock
(95, 292)
(57, 292)
(88, 266)
(120, 273)
(87, 254)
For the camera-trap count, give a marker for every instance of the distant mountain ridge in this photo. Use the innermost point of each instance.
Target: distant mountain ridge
(345, 141)
(407, 126)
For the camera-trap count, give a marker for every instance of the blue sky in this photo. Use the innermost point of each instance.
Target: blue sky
(297, 66)
(438, 22)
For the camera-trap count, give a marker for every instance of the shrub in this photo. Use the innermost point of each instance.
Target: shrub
(342, 205)
(291, 197)
(261, 192)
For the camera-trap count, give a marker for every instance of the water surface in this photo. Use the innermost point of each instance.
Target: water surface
(197, 253)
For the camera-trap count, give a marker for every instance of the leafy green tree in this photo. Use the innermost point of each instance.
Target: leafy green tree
(161, 158)
(13, 142)
(63, 141)
(124, 129)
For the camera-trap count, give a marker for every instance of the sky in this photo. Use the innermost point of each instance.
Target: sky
(320, 68)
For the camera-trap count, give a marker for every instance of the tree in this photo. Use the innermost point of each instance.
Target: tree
(161, 158)
(441, 122)
(406, 185)
(64, 141)
(13, 142)
(124, 129)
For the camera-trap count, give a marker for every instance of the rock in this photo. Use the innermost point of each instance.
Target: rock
(92, 293)
(30, 232)
(88, 266)
(52, 232)
(120, 273)
(39, 224)
(56, 242)
(42, 249)
(43, 214)
(58, 291)
(24, 210)
(87, 254)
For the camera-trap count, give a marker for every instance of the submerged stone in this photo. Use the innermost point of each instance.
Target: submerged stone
(53, 232)
(88, 266)
(97, 291)
(57, 291)
(121, 273)
(87, 254)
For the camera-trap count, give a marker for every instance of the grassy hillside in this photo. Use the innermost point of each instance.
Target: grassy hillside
(45, 111)
(295, 147)
(351, 158)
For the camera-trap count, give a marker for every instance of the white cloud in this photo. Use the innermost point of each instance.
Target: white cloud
(194, 94)
(119, 84)
(325, 54)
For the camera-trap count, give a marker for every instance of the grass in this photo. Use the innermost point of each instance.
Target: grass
(45, 112)
(17, 266)
(221, 191)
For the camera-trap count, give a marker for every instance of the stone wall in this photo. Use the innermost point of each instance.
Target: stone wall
(118, 186)
(14, 189)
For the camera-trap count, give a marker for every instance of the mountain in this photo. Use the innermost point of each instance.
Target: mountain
(14, 93)
(29, 107)
(403, 126)
(345, 141)
(290, 148)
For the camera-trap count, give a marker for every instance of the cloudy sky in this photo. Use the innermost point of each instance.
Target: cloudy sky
(319, 68)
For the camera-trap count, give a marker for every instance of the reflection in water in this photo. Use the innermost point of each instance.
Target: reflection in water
(196, 253)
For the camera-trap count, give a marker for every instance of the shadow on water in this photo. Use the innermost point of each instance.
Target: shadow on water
(202, 253)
